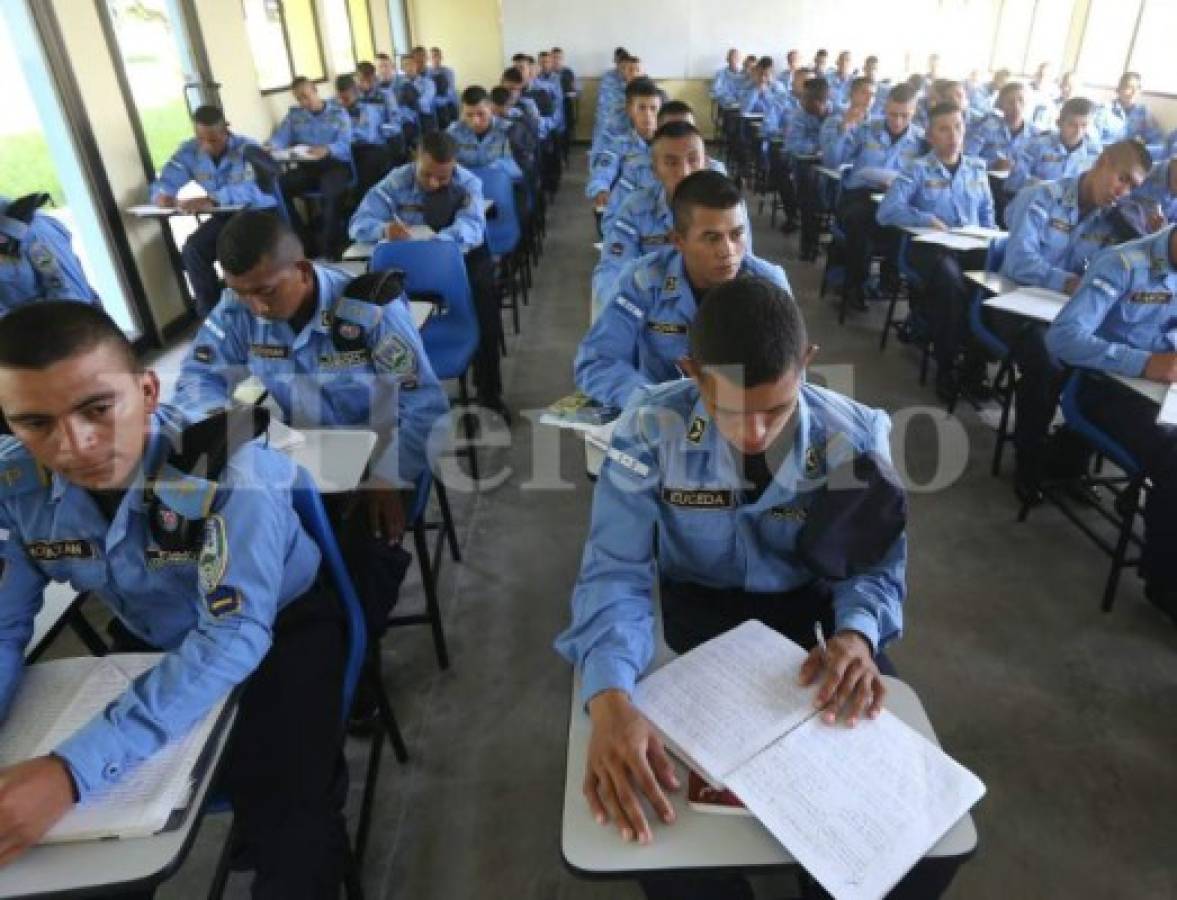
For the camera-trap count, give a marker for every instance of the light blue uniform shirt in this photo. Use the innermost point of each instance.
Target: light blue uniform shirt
(330, 127)
(641, 334)
(727, 87)
(1050, 239)
(450, 97)
(763, 100)
(623, 157)
(44, 268)
(1155, 189)
(1045, 158)
(399, 194)
(926, 190)
(229, 180)
(212, 612)
(491, 149)
(665, 451)
(1124, 311)
(871, 146)
(426, 91)
(367, 121)
(992, 139)
(1115, 123)
(387, 384)
(803, 136)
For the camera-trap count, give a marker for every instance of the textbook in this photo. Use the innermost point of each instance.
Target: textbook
(578, 412)
(57, 698)
(856, 807)
(297, 153)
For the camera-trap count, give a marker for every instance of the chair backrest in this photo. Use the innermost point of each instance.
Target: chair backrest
(502, 223)
(436, 267)
(1086, 429)
(313, 515)
(993, 343)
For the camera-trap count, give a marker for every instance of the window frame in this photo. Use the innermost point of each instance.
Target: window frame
(1128, 53)
(324, 78)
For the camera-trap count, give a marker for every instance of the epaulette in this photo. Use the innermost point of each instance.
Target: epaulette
(20, 473)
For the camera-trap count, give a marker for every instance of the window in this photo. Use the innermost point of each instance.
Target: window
(1153, 53)
(349, 34)
(1048, 37)
(399, 19)
(1107, 39)
(1013, 33)
(38, 153)
(284, 37)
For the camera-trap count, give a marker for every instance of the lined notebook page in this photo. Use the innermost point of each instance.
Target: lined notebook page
(57, 698)
(728, 698)
(857, 807)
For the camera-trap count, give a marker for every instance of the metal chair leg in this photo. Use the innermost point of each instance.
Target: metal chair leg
(447, 520)
(1131, 503)
(429, 581)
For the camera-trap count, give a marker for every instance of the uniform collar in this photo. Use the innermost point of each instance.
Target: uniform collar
(1159, 263)
(325, 302)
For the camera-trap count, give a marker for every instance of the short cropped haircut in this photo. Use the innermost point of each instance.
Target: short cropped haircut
(384, 56)
(1126, 77)
(366, 69)
(640, 87)
(1131, 152)
(499, 95)
(440, 146)
(208, 116)
(817, 87)
(752, 327)
(704, 188)
(1076, 106)
(620, 54)
(941, 109)
(297, 81)
(512, 75)
(942, 86)
(37, 335)
(901, 93)
(860, 82)
(765, 62)
(557, 49)
(1009, 88)
(675, 108)
(679, 128)
(474, 95)
(344, 83)
(252, 236)
(519, 57)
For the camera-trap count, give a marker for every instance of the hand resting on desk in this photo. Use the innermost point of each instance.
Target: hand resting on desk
(852, 682)
(34, 794)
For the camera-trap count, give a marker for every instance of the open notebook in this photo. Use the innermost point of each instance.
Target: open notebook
(857, 807)
(56, 698)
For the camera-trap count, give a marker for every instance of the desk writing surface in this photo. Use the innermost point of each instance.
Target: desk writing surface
(994, 282)
(420, 311)
(702, 840)
(832, 174)
(1039, 304)
(87, 866)
(58, 600)
(335, 457)
(1153, 390)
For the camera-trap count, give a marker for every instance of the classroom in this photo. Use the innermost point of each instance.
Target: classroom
(515, 449)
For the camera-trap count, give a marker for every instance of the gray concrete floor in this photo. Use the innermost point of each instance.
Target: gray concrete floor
(1065, 713)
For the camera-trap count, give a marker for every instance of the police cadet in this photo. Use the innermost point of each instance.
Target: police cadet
(523, 139)
(641, 333)
(841, 79)
(435, 191)
(872, 150)
(727, 87)
(764, 94)
(446, 82)
(333, 352)
(387, 77)
(325, 128)
(371, 152)
(644, 222)
(842, 122)
(1058, 228)
(414, 95)
(1068, 151)
(1000, 136)
(622, 164)
(1125, 116)
(614, 116)
(803, 144)
(821, 61)
(611, 93)
(194, 544)
(1154, 203)
(727, 493)
(944, 189)
(483, 140)
(1120, 322)
(37, 261)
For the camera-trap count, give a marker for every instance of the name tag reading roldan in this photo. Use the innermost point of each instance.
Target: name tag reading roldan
(269, 351)
(1152, 298)
(667, 327)
(51, 551)
(697, 499)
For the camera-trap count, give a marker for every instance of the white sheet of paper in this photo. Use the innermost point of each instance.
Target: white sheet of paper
(728, 698)
(857, 807)
(1037, 303)
(150, 210)
(421, 233)
(1168, 414)
(299, 152)
(283, 437)
(361, 250)
(951, 240)
(877, 176)
(977, 231)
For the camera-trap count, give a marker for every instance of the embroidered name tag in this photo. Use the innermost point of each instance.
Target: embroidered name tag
(654, 240)
(269, 351)
(345, 359)
(935, 184)
(667, 327)
(1152, 298)
(788, 513)
(51, 551)
(697, 499)
(157, 559)
(1061, 225)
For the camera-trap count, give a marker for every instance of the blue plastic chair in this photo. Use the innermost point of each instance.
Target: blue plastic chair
(451, 335)
(1128, 488)
(308, 504)
(503, 234)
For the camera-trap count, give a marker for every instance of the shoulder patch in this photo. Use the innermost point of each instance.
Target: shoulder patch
(393, 354)
(213, 561)
(697, 429)
(21, 475)
(671, 284)
(202, 353)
